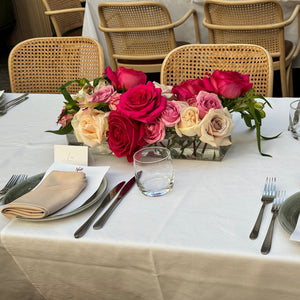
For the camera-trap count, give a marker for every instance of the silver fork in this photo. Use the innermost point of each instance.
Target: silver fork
(280, 198)
(11, 182)
(267, 197)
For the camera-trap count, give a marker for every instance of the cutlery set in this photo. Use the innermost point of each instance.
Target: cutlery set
(270, 195)
(8, 105)
(14, 179)
(115, 195)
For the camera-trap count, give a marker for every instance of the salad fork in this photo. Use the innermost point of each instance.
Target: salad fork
(11, 182)
(280, 198)
(267, 197)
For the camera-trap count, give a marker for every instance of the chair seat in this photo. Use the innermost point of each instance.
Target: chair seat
(74, 32)
(288, 46)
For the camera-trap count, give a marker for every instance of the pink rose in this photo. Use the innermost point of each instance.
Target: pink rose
(154, 132)
(64, 120)
(125, 78)
(230, 84)
(187, 90)
(171, 115)
(114, 101)
(206, 101)
(124, 135)
(102, 95)
(142, 103)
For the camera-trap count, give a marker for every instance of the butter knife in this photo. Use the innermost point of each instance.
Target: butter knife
(102, 220)
(110, 196)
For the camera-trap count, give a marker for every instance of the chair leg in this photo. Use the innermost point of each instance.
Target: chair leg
(290, 81)
(284, 81)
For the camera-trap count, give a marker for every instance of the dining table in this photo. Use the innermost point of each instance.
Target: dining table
(184, 32)
(191, 243)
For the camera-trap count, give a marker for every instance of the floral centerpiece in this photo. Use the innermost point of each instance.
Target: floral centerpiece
(124, 110)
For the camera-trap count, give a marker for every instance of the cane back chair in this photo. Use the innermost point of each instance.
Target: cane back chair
(255, 22)
(140, 34)
(42, 65)
(66, 16)
(195, 61)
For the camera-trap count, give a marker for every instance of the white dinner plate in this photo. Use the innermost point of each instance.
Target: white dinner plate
(289, 212)
(27, 185)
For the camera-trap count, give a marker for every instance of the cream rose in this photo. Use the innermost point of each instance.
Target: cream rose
(215, 128)
(189, 118)
(90, 126)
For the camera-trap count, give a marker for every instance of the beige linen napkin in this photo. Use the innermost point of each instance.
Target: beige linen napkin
(57, 190)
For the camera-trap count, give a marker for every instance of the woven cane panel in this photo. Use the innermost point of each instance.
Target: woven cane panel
(194, 61)
(234, 14)
(42, 65)
(136, 43)
(68, 21)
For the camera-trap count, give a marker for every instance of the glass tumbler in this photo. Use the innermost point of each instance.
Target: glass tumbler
(154, 171)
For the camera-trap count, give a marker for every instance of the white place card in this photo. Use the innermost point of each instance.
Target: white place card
(76, 155)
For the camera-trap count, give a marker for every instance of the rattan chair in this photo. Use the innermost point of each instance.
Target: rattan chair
(140, 34)
(255, 22)
(194, 61)
(42, 65)
(66, 16)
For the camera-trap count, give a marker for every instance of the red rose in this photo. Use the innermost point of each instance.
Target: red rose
(230, 84)
(187, 90)
(124, 135)
(125, 78)
(142, 103)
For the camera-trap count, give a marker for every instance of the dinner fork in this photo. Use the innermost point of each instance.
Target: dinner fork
(267, 197)
(14, 179)
(280, 198)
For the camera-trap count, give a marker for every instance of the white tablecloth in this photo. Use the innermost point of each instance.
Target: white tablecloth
(192, 243)
(185, 32)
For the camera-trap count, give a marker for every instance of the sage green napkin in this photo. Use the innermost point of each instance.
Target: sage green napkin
(57, 190)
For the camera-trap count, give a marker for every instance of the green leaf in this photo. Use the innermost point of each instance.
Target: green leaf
(62, 130)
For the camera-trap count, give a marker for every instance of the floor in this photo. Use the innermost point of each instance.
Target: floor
(4, 77)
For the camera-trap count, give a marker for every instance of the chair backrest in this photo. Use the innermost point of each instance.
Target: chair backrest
(65, 23)
(42, 65)
(252, 15)
(195, 60)
(127, 37)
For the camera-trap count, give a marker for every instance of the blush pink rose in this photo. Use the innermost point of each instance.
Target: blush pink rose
(124, 79)
(206, 101)
(142, 103)
(230, 84)
(154, 132)
(102, 95)
(171, 115)
(124, 135)
(114, 101)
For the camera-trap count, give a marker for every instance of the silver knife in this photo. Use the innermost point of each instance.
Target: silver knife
(102, 220)
(110, 196)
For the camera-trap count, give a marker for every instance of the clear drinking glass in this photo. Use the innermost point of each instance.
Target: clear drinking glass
(154, 171)
(294, 119)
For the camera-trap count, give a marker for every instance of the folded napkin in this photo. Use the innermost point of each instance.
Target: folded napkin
(56, 190)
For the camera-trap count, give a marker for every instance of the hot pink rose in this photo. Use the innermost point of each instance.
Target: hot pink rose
(206, 101)
(125, 78)
(124, 135)
(102, 95)
(154, 132)
(187, 90)
(171, 115)
(114, 101)
(230, 84)
(142, 103)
